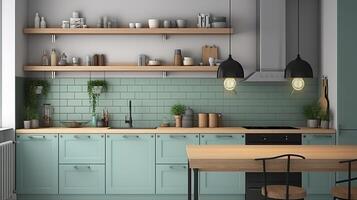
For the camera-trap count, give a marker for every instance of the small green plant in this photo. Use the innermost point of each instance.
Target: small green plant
(312, 111)
(324, 116)
(32, 98)
(94, 96)
(30, 113)
(178, 109)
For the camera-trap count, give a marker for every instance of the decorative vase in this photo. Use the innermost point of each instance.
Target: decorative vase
(94, 121)
(325, 124)
(35, 123)
(312, 123)
(27, 124)
(97, 89)
(39, 89)
(178, 121)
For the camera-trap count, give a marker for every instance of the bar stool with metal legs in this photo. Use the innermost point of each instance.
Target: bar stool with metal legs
(346, 192)
(283, 192)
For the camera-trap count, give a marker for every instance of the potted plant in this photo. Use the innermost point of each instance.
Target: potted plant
(312, 114)
(177, 110)
(27, 121)
(39, 87)
(94, 89)
(325, 120)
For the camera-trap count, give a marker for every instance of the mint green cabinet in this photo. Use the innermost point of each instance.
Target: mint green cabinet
(82, 148)
(222, 182)
(130, 164)
(171, 179)
(37, 164)
(81, 179)
(318, 184)
(172, 148)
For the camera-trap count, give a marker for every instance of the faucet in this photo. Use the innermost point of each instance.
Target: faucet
(130, 120)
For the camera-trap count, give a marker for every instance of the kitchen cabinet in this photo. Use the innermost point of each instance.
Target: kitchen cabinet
(130, 164)
(81, 179)
(318, 184)
(222, 182)
(37, 164)
(172, 148)
(171, 179)
(82, 148)
(347, 137)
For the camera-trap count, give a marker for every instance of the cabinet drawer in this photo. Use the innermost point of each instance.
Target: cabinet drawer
(81, 179)
(171, 179)
(82, 148)
(172, 148)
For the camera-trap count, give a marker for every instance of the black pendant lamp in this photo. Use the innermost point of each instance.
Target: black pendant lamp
(230, 68)
(298, 68)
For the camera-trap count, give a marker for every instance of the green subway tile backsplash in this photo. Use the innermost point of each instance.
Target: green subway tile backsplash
(253, 103)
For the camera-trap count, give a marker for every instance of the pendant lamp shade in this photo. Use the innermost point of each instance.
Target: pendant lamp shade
(298, 68)
(230, 69)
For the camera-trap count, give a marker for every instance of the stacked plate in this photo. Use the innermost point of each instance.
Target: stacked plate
(219, 22)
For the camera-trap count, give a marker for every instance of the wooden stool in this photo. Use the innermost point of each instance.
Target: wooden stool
(346, 192)
(283, 192)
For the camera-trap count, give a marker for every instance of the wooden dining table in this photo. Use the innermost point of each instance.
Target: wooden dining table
(230, 158)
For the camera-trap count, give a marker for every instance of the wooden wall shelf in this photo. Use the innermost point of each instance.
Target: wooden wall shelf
(120, 69)
(129, 31)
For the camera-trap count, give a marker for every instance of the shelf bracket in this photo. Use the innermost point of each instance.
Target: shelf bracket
(164, 37)
(164, 74)
(53, 38)
(53, 75)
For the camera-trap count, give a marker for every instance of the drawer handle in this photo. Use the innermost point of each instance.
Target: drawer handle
(178, 136)
(82, 136)
(224, 136)
(177, 167)
(323, 136)
(131, 136)
(82, 167)
(37, 137)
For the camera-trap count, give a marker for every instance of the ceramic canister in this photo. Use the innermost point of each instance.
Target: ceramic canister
(213, 120)
(202, 120)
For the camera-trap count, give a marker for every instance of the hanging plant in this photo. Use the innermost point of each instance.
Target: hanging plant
(33, 89)
(94, 89)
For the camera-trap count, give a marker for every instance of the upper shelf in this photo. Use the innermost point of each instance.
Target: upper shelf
(128, 31)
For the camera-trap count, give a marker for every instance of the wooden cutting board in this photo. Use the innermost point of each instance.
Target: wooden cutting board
(207, 52)
(324, 102)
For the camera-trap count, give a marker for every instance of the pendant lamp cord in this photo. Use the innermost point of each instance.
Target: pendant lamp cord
(230, 26)
(298, 27)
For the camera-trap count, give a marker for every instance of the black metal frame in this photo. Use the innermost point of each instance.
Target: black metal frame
(350, 179)
(287, 172)
(195, 183)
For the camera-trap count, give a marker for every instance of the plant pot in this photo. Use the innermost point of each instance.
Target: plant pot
(178, 121)
(93, 122)
(39, 90)
(35, 123)
(97, 89)
(27, 124)
(325, 124)
(313, 123)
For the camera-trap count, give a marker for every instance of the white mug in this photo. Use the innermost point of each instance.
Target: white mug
(131, 25)
(138, 25)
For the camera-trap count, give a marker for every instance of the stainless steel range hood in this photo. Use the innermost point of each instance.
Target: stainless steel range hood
(271, 41)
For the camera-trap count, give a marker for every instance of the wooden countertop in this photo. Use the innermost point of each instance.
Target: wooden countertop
(241, 157)
(222, 130)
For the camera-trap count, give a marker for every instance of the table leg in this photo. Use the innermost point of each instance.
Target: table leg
(195, 177)
(189, 189)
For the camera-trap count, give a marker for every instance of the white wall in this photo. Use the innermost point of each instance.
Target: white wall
(0, 62)
(329, 51)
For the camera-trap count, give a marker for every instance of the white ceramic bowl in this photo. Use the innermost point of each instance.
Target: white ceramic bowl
(181, 23)
(187, 61)
(154, 63)
(154, 23)
(138, 25)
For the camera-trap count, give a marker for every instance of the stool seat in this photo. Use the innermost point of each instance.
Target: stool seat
(279, 192)
(341, 192)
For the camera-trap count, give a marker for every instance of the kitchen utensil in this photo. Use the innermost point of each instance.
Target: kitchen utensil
(47, 112)
(213, 120)
(207, 52)
(178, 58)
(142, 60)
(138, 25)
(131, 25)
(219, 24)
(166, 24)
(181, 23)
(154, 23)
(324, 102)
(154, 62)
(202, 120)
(75, 61)
(187, 61)
(74, 124)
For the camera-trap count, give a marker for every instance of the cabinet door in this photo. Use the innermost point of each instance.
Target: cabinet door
(171, 179)
(347, 69)
(222, 182)
(37, 164)
(172, 148)
(318, 183)
(130, 164)
(81, 179)
(347, 138)
(82, 148)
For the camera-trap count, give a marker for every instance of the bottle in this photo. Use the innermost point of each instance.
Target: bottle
(43, 22)
(37, 20)
(106, 119)
(44, 59)
(53, 57)
(178, 58)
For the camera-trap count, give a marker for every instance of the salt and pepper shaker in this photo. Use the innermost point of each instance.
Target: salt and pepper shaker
(37, 21)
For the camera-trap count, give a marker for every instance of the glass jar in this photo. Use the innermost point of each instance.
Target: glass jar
(47, 112)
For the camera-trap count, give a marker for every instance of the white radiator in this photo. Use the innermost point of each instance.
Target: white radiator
(7, 170)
